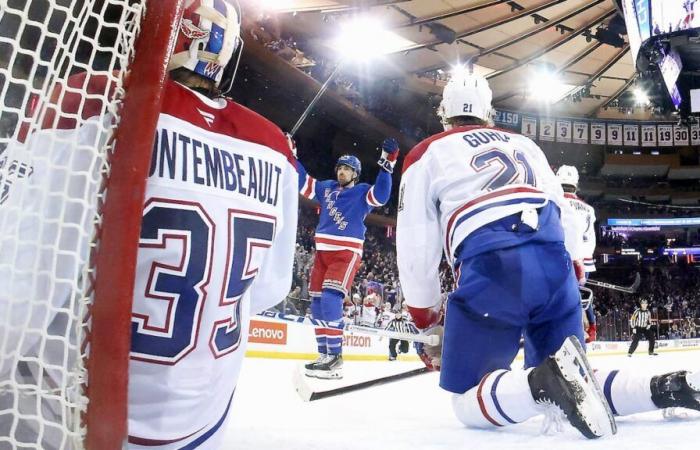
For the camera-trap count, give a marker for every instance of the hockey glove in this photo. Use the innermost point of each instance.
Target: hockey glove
(390, 152)
(580, 272)
(431, 355)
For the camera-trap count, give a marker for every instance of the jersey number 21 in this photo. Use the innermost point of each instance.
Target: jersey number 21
(511, 167)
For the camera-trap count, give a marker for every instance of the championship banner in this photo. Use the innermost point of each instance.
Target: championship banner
(581, 132)
(680, 135)
(665, 135)
(648, 135)
(507, 119)
(631, 135)
(547, 129)
(598, 133)
(695, 135)
(529, 128)
(563, 131)
(614, 134)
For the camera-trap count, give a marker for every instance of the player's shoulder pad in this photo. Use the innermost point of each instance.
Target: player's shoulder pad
(236, 121)
(252, 127)
(86, 94)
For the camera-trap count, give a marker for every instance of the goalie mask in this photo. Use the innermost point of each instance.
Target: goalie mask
(209, 41)
(466, 95)
(568, 176)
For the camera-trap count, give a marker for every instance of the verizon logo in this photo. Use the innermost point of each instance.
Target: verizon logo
(208, 117)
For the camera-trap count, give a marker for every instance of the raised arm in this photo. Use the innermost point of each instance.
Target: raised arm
(379, 193)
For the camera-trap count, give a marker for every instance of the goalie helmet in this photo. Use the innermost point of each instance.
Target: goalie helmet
(350, 161)
(568, 175)
(209, 41)
(466, 95)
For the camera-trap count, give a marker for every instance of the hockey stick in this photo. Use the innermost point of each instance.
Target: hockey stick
(318, 95)
(309, 395)
(630, 290)
(350, 328)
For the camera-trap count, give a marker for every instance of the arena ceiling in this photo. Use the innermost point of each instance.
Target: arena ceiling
(583, 42)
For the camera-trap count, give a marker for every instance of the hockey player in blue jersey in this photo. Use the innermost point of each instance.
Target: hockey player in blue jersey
(344, 202)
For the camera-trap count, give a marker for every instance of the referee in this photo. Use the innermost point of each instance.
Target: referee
(641, 326)
(402, 324)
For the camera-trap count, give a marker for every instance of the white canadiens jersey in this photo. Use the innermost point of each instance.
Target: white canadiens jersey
(455, 183)
(217, 244)
(586, 216)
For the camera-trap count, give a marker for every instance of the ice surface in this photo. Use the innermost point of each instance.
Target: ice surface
(415, 414)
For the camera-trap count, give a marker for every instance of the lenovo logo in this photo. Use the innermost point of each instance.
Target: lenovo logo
(267, 332)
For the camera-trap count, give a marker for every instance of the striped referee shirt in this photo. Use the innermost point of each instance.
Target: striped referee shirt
(640, 318)
(402, 326)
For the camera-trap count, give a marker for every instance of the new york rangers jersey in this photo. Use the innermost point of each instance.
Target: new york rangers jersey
(586, 216)
(341, 224)
(454, 184)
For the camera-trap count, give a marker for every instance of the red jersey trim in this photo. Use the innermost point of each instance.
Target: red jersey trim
(338, 242)
(482, 405)
(234, 120)
(82, 95)
(419, 150)
(571, 196)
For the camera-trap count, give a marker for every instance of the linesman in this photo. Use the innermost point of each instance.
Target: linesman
(640, 322)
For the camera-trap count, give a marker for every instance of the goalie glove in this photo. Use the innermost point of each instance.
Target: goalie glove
(390, 152)
(431, 355)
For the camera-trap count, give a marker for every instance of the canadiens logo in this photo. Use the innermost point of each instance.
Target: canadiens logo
(192, 31)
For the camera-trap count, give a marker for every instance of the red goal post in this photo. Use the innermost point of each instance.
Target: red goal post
(119, 233)
(44, 284)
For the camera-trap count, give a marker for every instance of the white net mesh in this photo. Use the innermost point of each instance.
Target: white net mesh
(60, 85)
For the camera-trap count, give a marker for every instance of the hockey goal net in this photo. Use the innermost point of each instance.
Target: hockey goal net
(80, 87)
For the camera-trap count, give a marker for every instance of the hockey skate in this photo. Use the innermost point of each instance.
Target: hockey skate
(311, 368)
(330, 368)
(565, 381)
(676, 390)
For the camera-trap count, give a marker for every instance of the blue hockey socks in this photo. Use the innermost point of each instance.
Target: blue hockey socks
(332, 310)
(317, 313)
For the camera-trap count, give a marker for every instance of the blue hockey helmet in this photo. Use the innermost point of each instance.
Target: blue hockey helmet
(350, 161)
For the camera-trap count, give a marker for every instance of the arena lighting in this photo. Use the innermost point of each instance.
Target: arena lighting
(545, 85)
(641, 97)
(364, 38)
(360, 40)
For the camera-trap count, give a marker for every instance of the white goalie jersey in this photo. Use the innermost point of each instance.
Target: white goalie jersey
(458, 181)
(586, 217)
(216, 245)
